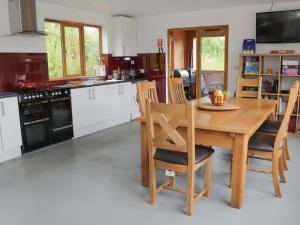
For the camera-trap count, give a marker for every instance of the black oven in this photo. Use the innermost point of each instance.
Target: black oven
(35, 124)
(46, 118)
(61, 117)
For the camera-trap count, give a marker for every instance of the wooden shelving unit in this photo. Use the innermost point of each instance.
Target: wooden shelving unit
(280, 83)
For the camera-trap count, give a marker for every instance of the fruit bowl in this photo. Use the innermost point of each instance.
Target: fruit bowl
(218, 97)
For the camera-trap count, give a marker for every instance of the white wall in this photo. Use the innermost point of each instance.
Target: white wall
(37, 44)
(241, 21)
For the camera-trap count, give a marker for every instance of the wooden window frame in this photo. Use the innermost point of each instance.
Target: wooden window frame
(81, 26)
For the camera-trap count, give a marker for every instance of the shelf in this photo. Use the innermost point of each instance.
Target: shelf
(273, 63)
(265, 74)
(273, 94)
(269, 54)
(290, 75)
(250, 74)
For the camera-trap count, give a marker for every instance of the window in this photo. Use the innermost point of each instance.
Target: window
(73, 49)
(213, 53)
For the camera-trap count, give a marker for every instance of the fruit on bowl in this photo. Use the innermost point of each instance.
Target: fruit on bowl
(218, 97)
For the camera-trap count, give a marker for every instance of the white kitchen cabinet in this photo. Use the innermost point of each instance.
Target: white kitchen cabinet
(10, 129)
(124, 36)
(100, 107)
(135, 109)
(81, 108)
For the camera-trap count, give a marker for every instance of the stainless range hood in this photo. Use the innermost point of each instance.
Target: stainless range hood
(22, 18)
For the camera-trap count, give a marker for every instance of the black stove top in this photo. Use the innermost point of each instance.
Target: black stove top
(41, 95)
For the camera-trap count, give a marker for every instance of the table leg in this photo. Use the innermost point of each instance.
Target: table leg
(239, 170)
(144, 156)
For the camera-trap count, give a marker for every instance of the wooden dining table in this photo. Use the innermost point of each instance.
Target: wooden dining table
(227, 129)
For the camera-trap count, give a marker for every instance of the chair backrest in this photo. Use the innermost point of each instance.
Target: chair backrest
(252, 84)
(286, 118)
(146, 90)
(163, 121)
(176, 91)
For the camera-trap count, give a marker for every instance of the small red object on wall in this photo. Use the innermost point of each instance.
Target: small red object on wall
(160, 44)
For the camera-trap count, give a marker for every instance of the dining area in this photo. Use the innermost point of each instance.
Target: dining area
(182, 136)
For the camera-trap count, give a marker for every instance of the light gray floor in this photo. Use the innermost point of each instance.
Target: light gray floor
(96, 180)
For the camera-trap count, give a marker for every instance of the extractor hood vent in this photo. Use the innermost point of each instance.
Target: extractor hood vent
(22, 18)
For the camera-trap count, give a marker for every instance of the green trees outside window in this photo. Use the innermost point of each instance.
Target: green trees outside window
(73, 49)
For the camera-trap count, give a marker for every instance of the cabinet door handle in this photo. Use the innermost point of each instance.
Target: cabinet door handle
(90, 94)
(93, 93)
(122, 89)
(2, 109)
(119, 89)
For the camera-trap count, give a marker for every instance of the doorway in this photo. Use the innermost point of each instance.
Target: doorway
(203, 53)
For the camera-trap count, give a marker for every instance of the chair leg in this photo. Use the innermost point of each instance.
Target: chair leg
(190, 192)
(152, 182)
(284, 160)
(275, 174)
(173, 181)
(230, 178)
(281, 169)
(286, 148)
(208, 177)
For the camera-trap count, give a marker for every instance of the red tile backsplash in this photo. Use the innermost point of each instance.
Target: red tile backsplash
(22, 67)
(18, 68)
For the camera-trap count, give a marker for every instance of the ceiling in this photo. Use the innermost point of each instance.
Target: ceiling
(138, 8)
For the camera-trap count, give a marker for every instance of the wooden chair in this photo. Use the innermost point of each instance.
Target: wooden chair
(253, 83)
(176, 91)
(146, 90)
(169, 150)
(270, 147)
(272, 127)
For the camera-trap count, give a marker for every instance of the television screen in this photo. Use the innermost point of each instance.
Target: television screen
(278, 27)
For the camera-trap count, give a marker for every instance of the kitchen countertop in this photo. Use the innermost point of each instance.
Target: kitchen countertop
(99, 83)
(7, 94)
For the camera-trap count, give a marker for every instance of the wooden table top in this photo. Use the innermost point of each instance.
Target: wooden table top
(245, 120)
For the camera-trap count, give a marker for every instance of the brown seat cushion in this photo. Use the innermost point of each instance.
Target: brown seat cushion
(202, 153)
(262, 141)
(270, 127)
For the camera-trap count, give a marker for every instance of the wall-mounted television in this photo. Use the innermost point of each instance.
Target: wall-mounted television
(278, 27)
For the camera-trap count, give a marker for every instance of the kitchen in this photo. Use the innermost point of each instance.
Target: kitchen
(70, 113)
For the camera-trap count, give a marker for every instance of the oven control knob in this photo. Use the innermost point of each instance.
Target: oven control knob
(59, 92)
(33, 96)
(41, 95)
(25, 97)
(56, 93)
(37, 96)
(29, 97)
(52, 93)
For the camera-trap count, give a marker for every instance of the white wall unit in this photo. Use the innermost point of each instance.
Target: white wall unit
(10, 130)
(100, 107)
(124, 36)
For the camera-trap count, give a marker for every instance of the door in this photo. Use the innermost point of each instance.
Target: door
(120, 100)
(81, 107)
(10, 123)
(213, 59)
(101, 104)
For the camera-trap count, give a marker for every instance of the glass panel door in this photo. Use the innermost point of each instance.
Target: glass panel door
(213, 59)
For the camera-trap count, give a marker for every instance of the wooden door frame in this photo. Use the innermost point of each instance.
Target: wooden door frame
(224, 28)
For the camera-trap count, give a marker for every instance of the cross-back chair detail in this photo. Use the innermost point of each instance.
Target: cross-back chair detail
(170, 148)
